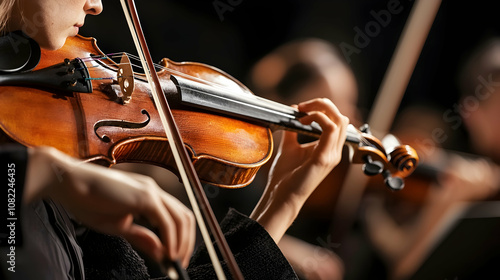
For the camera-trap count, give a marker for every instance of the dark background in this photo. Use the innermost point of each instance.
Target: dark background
(234, 39)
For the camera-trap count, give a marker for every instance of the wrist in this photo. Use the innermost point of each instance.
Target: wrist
(44, 173)
(276, 214)
(37, 174)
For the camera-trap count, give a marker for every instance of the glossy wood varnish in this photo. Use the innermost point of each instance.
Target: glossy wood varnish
(225, 151)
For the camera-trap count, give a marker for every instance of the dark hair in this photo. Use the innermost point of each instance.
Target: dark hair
(302, 67)
(295, 78)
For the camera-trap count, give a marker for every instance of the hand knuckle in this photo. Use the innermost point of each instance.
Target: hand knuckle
(150, 182)
(331, 127)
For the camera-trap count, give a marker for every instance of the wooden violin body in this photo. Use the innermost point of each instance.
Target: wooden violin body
(98, 127)
(82, 107)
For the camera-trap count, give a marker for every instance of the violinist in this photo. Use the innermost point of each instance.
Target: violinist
(61, 194)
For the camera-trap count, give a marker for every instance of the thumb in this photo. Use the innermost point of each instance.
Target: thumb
(145, 240)
(288, 140)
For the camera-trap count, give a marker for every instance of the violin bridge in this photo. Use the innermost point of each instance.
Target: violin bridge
(125, 77)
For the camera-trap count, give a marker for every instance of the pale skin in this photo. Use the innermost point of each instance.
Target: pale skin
(50, 22)
(108, 200)
(298, 169)
(335, 81)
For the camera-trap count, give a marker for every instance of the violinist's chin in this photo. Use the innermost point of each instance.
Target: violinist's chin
(76, 28)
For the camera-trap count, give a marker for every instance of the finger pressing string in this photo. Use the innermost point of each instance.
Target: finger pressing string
(323, 105)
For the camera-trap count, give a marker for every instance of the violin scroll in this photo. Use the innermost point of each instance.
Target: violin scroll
(388, 157)
(404, 160)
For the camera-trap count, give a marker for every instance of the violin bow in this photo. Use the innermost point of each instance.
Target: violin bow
(387, 102)
(186, 169)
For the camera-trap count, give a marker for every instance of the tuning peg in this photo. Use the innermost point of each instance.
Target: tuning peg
(372, 167)
(394, 183)
(365, 128)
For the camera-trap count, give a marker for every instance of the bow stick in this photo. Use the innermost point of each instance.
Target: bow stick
(187, 172)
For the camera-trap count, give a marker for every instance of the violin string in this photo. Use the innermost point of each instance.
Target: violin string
(366, 142)
(268, 103)
(108, 56)
(115, 55)
(102, 57)
(156, 65)
(182, 74)
(104, 78)
(278, 106)
(185, 168)
(363, 140)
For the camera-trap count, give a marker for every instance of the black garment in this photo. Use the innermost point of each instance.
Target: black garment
(50, 250)
(110, 257)
(255, 251)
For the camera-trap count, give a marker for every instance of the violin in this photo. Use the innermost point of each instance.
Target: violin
(74, 101)
(85, 104)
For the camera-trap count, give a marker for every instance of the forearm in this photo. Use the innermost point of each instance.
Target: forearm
(275, 217)
(46, 169)
(299, 168)
(283, 199)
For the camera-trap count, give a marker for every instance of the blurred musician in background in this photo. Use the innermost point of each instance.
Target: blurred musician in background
(460, 180)
(296, 71)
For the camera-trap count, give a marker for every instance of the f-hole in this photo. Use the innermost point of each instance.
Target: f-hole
(119, 123)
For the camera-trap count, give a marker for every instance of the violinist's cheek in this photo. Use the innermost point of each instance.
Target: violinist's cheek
(50, 22)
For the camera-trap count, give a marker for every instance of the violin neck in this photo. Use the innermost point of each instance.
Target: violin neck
(250, 107)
